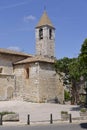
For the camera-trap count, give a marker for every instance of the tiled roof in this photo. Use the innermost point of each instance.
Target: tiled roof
(12, 52)
(36, 59)
(44, 21)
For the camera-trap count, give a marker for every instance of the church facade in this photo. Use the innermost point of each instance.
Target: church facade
(32, 77)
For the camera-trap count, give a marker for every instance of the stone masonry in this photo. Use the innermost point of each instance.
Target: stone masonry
(32, 77)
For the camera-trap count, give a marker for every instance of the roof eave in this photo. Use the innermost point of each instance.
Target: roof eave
(45, 25)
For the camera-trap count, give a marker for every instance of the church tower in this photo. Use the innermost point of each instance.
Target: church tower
(45, 37)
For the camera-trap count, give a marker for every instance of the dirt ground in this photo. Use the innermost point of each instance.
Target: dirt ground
(38, 111)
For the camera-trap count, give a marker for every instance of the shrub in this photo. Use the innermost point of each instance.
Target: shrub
(66, 95)
(83, 110)
(6, 112)
(64, 112)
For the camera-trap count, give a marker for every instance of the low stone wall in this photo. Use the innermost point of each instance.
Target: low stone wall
(11, 117)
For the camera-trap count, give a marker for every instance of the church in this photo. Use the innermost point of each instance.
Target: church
(28, 77)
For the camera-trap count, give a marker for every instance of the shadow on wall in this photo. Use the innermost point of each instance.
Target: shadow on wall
(55, 100)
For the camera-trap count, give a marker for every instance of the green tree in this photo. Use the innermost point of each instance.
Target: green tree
(74, 75)
(66, 95)
(72, 69)
(61, 67)
(83, 59)
(69, 69)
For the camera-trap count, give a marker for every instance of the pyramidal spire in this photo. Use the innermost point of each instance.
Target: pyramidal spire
(44, 20)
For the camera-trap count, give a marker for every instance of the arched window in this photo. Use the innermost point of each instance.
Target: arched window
(40, 33)
(50, 33)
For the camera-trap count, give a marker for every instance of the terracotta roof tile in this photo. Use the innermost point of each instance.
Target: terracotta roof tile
(36, 59)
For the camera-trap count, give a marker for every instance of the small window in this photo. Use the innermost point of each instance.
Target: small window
(27, 73)
(1, 70)
(41, 33)
(50, 33)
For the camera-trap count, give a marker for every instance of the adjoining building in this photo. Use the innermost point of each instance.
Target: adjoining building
(32, 77)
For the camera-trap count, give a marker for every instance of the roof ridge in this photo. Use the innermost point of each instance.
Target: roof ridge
(35, 59)
(13, 52)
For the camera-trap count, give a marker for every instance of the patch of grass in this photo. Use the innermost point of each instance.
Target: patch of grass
(83, 110)
(6, 112)
(64, 112)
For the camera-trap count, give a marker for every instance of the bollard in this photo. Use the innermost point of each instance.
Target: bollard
(0, 119)
(70, 118)
(28, 119)
(51, 119)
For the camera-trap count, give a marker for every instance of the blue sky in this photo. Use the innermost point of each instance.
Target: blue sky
(18, 19)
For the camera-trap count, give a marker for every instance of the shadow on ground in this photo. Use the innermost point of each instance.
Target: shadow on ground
(77, 108)
(83, 125)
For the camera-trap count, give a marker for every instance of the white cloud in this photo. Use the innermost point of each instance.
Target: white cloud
(29, 18)
(12, 6)
(15, 48)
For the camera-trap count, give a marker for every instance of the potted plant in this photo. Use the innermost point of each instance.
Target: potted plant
(64, 115)
(83, 112)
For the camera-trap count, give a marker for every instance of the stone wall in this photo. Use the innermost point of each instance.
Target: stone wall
(7, 87)
(6, 66)
(50, 88)
(32, 89)
(45, 46)
(42, 85)
(27, 88)
(7, 77)
(6, 62)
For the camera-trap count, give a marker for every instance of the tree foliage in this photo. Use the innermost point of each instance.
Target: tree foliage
(83, 59)
(74, 69)
(71, 69)
(66, 95)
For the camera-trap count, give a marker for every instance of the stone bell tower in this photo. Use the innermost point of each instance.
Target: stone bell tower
(45, 37)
